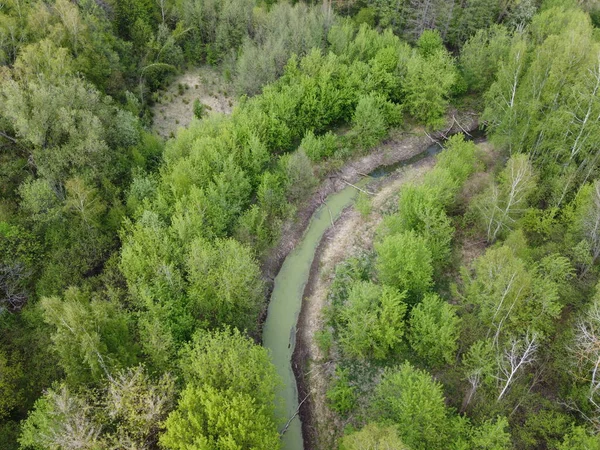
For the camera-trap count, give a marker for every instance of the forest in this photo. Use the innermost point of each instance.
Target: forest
(136, 266)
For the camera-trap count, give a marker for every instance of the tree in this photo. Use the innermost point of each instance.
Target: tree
(404, 262)
(225, 286)
(92, 337)
(373, 437)
(519, 354)
(587, 221)
(481, 55)
(501, 205)
(371, 321)
(138, 406)
(227, 360)
(434, 330)
(586, 354)
(501, 99)
(370, 121)
(509, 298)
(580, 439)
(127, 412)
(229, 399)
(427, 86)
(414, 402)
(61, 420)
(211, 419)
(12, 372)
(492, 435)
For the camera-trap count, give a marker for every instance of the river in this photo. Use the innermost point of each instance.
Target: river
(279, 332)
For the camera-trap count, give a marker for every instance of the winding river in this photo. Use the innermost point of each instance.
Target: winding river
(279, 333)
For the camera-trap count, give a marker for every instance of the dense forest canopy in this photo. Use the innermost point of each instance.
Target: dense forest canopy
(132, 281)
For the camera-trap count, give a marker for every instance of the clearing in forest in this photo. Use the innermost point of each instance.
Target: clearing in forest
(174, 107)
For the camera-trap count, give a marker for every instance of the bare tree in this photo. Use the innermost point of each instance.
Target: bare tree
(519, 353)
(587, 351)
(73, 425)
(12, 293)
(591, 224)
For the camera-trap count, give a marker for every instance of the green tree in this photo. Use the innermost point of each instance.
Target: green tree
(61, 419)
(369, 122)
(371, 321)
(481, 55)
(492, 435)
(207, 418)
(373, 437)
(434, 330)
(427, 86)
(404, 262)
(409, 398)
(228, 360)
(91, 337)
(225, 286)
(501, 205)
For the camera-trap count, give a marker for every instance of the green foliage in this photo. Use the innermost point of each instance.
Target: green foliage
(229, 397)
(371, 321)
(283, 31)
(434, 330)
(373, 437)
(227, 360)
(299, 177)
(363, 205)
(502, 204)
(429, 80)
(129, 411)
(492, 435)
(548, 78)
(92, 337)
(372, 118)
(207, 418)
(481, 55)
(429, 43)
(198, 109)
(225, 286)
(12, 372)
(409, 398)
(404, 262)
(341, 395)
(579, 438)
(319, 147)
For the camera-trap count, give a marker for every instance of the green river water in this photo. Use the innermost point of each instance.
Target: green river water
(279, 332)
(286, 300)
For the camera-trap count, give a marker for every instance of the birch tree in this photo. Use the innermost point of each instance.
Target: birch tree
(586, 354)
(520, 353)
(502, 204)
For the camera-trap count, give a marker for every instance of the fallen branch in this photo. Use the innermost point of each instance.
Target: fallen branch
(457, 123)
(10, 138)
(356, 187)
(330, 214)
(434, 140)
(287, 425)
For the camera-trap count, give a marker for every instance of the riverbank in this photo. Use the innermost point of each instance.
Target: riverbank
(403, 146)
(310, 374)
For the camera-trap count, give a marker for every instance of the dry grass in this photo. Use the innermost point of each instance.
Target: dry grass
(174, 109)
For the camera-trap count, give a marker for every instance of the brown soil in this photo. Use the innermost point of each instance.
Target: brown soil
(174, 110)
(401, 147)
(351, 233)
